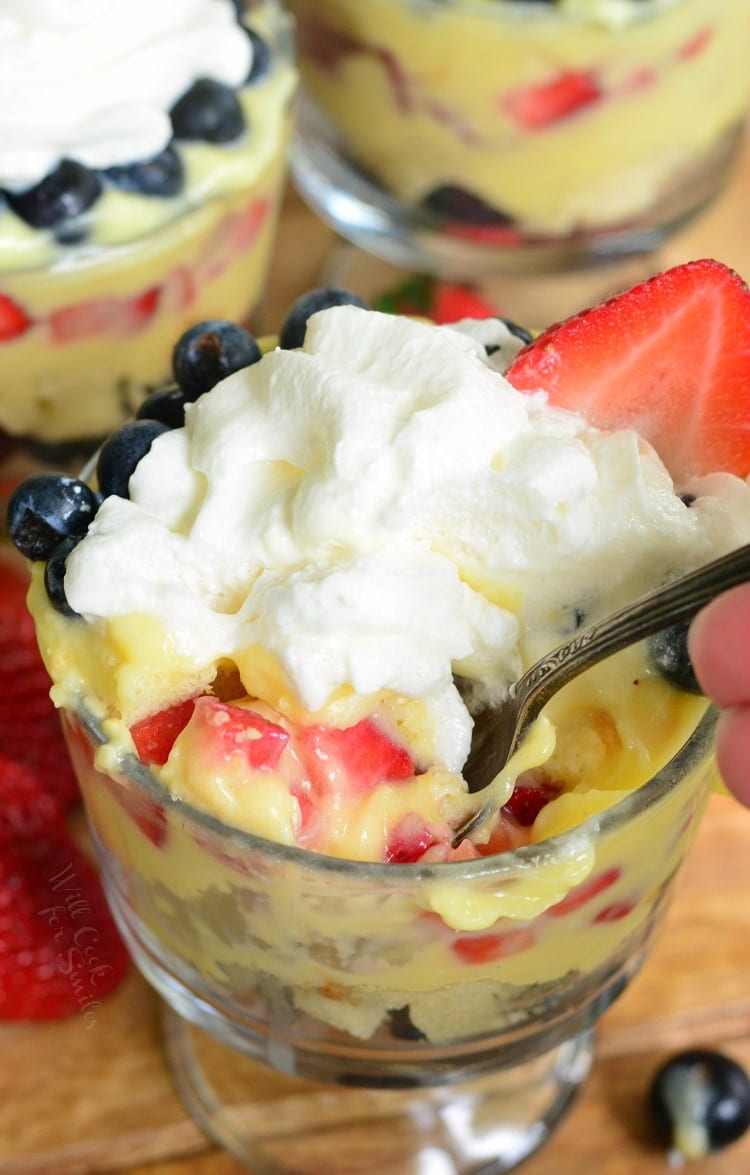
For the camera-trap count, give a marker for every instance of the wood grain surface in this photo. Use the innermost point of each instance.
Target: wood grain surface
(78, 1101)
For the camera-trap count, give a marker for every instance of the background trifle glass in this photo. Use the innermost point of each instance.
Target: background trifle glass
(507, 136)
(101, 268)
(471, 1044)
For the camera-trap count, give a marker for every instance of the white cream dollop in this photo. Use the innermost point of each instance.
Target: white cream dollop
(94, 80)
(382, 510)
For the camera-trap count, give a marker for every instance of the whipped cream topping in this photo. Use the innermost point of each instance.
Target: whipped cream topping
(94, 80)
(382, 510)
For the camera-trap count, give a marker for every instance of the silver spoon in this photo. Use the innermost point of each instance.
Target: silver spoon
(498, 729)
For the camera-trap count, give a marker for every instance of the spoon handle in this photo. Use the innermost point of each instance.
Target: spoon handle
(677, 601)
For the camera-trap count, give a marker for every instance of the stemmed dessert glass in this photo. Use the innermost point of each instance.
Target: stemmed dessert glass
(325, 1014)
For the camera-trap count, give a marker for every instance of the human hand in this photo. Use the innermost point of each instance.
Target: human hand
(719, 646)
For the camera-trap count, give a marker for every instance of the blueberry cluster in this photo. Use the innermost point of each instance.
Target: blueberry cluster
(49, 513)
(208, 111)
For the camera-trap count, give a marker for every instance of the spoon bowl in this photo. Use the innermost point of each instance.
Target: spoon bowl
(498, 729)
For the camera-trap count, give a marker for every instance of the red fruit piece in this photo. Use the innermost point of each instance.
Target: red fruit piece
(452, 302)
(26, 809)
(533, 791)
(408, 841)
(154, 736)
(30, 731)
(363, 754)
(83, 320)
(670, 358)
(584, 893)
(540, 106)
(136, 313)
(488, 948)
(232, 730)
(146, 812)
(60, 952)
(14, 321)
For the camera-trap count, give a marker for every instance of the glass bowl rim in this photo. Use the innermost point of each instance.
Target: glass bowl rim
(696, 752)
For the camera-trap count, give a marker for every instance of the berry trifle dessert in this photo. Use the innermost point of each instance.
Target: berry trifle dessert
(275, 604)
(142, 151)
(476, 135)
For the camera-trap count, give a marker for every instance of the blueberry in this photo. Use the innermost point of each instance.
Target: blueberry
(293, 329)
(402, 1026)
(46, 508)
(209, 112)
(456, 203)
(700, 1103)
(668, 652)
(54, 576)
(162, 175)
(210, 351)
(120, 454)
(65, 193)
(166, 405)
(261, 63)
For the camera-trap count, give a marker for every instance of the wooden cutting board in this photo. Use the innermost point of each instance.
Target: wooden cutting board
(78, 1101)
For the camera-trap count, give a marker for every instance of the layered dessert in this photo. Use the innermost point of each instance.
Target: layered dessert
(142, 153)
(272, 619)
(507, 122)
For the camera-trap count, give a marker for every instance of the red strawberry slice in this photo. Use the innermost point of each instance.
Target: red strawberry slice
(488, 948)
(533, 791)
(233, 730)
(535, 107)
(83, 320)
(582, 894)
(357, 758)
(30, 731)
(60, 952)
(14, 321)
(408, 841)
(670, 358)
(452, 302)
(154, 736)
(146, 812)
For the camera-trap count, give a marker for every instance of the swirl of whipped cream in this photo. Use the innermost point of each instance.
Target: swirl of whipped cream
(381, 510)
(94, 80)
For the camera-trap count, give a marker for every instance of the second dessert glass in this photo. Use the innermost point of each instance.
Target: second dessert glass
(90, 306)
(510, 136)
(344, 990)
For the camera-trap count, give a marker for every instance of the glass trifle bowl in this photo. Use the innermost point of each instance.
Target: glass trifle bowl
(272, 611)
(140, 194)
(512, 136)
(472, 1043)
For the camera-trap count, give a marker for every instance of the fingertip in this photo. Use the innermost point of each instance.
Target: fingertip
(719, 647)
(733, 751)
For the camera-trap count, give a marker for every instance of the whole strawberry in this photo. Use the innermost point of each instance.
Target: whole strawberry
(60, 952)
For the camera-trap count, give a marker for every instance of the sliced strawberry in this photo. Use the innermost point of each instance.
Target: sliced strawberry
(533, 791)
(145, 811)
(30, 731)
(14, 321)
(250, 223)
(83, 320)
(408, 841)
(669, 358)
(233, 730)
(582, 894)
(452, 302)
(154, 736)
(60, 952)
(135, 314)
(488, 948)
(357, 758)
(535, 107)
